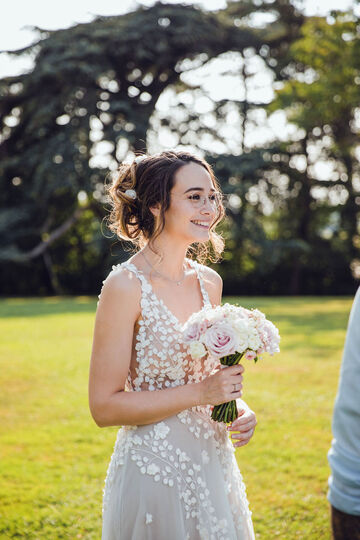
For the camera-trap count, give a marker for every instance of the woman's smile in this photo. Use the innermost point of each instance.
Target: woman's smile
(201, 223)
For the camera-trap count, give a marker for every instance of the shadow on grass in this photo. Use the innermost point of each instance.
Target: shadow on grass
(52, 305)
(304, 322)
(318, 321)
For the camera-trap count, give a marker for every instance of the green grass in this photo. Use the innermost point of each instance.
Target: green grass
(53, 458)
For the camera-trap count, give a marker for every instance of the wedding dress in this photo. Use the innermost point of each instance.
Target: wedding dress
(176, 479)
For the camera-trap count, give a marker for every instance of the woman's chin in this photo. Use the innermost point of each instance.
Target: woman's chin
(199, 237)
(202, 237)
(200, 232)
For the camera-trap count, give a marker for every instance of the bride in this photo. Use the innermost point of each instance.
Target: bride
(173, 473)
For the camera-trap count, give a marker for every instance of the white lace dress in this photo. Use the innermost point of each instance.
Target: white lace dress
(176, 479)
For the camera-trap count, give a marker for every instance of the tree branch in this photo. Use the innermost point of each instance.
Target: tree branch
(54, 235)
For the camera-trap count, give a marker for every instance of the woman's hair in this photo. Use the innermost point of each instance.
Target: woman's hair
(145, 183)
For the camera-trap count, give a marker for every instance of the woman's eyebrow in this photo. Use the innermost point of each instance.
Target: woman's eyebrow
(197, 189)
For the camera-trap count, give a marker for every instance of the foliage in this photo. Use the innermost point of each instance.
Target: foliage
(95, 86)
(321, 96)
(92, 84)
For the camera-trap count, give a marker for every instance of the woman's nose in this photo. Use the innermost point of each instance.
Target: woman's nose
(207, 208)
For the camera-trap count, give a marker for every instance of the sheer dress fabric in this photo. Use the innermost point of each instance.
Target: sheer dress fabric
(176, 479)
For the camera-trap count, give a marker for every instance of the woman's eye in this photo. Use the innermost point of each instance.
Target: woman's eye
(194, 197)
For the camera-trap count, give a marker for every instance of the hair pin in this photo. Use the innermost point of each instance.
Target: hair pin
(131, 193)
(139, 158)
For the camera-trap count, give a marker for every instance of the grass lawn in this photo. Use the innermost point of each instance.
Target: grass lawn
(53, 457)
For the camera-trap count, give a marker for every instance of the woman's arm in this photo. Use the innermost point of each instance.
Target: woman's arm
(110, 405)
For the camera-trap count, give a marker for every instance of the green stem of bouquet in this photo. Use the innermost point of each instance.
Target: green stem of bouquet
(227, 412)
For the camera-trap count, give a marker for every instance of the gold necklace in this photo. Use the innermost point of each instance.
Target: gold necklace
(177, 281)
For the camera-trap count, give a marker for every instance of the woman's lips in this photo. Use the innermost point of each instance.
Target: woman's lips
(202, 224)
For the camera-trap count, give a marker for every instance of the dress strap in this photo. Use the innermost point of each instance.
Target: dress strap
(145, 286)
(132, 268)
(198, 269)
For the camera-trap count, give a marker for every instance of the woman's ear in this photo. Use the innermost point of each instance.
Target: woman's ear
(155, 210)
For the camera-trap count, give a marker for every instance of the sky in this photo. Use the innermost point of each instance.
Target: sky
(15, 33)
(15, 20)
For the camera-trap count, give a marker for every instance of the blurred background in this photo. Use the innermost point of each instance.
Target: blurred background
(267, 91)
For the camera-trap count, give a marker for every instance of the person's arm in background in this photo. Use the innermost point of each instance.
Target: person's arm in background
(344, 454)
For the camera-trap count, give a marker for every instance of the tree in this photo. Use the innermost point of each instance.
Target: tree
(321, 97)
(94, 86)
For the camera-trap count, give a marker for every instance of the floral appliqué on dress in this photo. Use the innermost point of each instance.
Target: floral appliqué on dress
(188, 452)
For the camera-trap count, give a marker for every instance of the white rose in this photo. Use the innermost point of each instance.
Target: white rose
(241, 332)
(240, 326)
(254, 343)
(242, 343)
(197, 350)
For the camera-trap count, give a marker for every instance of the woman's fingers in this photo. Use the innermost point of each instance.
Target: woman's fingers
(243, 427)
(243, 420)
(242, 435)
(235, 388)
(241, 443)
(223, 386)
(242, 438)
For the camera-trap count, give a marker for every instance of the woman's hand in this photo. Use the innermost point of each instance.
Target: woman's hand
(243, 427)
(219, 388)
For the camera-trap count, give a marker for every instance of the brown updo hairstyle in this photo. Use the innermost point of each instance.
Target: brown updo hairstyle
(152, 178)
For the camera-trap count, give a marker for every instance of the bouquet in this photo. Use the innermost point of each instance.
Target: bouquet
(229, 333)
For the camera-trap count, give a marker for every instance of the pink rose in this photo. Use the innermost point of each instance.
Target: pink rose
(220, 340)
(203, 326)
(192, 332)
(250, 355)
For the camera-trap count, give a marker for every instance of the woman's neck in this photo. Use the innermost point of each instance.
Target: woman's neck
(166, 257)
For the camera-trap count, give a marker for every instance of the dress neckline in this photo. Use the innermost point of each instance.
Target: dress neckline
(160, 301)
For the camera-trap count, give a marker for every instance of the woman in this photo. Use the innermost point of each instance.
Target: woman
(173, 473)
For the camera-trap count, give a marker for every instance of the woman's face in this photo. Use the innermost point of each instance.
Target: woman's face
(188, 218)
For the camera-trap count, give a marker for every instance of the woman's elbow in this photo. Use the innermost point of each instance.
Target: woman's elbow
(98, 421)
(98, 414)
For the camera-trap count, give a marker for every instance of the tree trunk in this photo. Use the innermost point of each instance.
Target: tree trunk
(295, 287)
(350, 209)
(295, 279)
(56, 288)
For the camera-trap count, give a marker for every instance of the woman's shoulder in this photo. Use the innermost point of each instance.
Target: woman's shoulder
(213, 283)
(119, 298)
(121, 280)
(209, 274)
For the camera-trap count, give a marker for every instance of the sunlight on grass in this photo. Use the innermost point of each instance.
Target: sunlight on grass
(54, 458)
